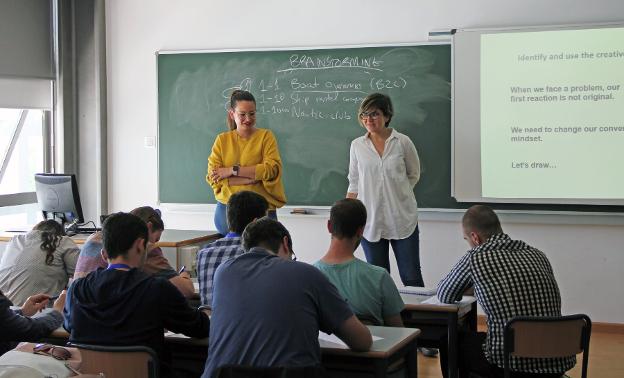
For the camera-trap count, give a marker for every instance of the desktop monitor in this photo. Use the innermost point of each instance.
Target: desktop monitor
(58, 198)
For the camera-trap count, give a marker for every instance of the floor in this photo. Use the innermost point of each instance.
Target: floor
(606, 359)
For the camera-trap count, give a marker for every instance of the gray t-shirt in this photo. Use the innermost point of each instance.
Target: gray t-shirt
(267, 311)
(24, 272)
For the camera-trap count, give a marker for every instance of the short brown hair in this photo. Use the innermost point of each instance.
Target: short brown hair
(377, 101)
(482, 220)
(347, 216)
(265, 232)
(243, 207)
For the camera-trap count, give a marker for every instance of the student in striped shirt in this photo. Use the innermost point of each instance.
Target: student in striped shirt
(510, 278)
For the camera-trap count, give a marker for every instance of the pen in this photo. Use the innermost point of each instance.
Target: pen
(182, 269)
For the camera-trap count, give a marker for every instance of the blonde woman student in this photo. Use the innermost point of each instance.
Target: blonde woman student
(244, 158)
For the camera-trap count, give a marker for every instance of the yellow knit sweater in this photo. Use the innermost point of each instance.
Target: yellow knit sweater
(260, 150)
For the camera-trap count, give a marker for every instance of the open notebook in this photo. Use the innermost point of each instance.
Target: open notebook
(417, 290)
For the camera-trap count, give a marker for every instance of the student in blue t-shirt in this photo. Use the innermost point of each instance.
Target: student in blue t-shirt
(267, 309)
(369, 289)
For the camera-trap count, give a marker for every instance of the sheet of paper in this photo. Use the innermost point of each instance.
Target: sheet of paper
(334, 339)
(171, 334)
(432, 300)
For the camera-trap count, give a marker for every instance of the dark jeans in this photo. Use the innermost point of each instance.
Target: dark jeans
(220, 218)
(406, 251)
(472, 359)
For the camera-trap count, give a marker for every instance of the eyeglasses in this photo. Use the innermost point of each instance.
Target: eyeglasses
(246, 115)
(372, 115)
(57, 352)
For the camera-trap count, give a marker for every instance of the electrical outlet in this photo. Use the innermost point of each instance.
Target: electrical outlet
(149, 142)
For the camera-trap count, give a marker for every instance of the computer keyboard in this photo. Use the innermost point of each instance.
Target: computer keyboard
(86, 230)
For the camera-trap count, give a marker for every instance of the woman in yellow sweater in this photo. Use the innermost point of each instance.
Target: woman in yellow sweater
(244, 158)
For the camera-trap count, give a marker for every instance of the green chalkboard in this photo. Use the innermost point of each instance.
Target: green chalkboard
(309, 99)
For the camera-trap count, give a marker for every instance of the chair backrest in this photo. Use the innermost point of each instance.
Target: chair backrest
(118, 361)
(239, 371)
(547, 337)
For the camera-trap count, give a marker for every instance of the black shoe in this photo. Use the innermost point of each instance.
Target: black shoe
(428, 352)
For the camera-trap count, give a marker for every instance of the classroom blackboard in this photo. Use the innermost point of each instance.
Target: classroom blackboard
(309, 99)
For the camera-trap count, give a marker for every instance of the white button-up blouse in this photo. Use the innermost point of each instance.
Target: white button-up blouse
(386, 185)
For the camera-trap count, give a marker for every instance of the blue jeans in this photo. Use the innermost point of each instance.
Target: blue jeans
(220, 218)
(406, 251)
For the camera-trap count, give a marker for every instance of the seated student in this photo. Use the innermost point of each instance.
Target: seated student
(18, 326)
(242, 208)
(369, 289)
(156, 263)
(122, 305)
(41, 261)
(510, 278)
(267, 310)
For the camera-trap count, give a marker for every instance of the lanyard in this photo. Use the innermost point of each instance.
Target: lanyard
(117, 266)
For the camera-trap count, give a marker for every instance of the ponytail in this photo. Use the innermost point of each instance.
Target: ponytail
(51, 235)
(236, 96)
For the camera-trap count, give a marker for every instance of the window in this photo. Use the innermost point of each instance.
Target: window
(22, 149)
(22, 139)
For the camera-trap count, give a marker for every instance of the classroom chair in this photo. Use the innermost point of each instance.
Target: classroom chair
(547, 337)
(118, 361)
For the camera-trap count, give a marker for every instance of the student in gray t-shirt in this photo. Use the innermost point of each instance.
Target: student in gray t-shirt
(267, 310)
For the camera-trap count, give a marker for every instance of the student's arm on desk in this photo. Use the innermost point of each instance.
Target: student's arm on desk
(452, 287)
(184, 283)
(355, 334)
(158, 265)
(178, 317)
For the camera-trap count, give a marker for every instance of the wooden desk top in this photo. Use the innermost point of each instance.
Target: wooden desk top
(169, 238)
(414, 302)
(393, 339)
(181, 238)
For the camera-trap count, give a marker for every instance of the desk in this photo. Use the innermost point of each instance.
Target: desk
(179, 240)
(396, 345)
(437, 320)
(173, 242)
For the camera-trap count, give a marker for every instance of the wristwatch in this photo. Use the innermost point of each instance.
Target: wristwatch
(235, 170)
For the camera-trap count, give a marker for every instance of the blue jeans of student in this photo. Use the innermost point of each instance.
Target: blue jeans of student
(220, 218)
(406, 251)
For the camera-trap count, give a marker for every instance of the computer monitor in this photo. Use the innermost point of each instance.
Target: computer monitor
(58, 198)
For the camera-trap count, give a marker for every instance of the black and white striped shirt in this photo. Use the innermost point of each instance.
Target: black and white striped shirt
(510, 279)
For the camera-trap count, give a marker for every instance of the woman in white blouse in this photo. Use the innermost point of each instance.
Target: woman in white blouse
(383, 169)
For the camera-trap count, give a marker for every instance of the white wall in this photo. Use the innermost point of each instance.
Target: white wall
(587, 259)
